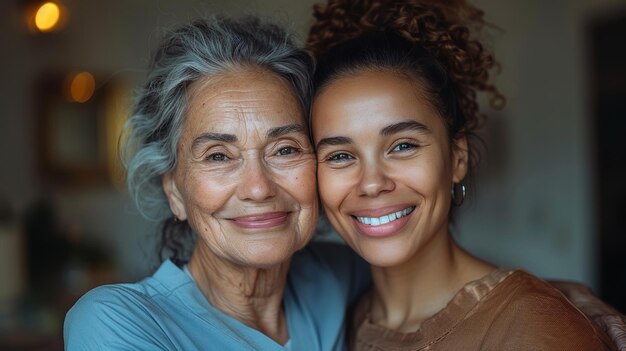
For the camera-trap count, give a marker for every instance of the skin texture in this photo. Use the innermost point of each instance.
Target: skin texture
(382, 148)
(245, 181)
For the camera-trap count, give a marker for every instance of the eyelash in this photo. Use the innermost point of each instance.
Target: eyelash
(221, 157)
(339, 157)
(212, 157)
(344, 156)
(292, 148)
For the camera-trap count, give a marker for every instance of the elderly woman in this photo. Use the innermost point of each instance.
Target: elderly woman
(219, 133)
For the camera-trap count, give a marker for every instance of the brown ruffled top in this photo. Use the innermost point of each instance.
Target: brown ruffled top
(505, 310)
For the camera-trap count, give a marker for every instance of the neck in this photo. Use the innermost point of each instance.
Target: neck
(407, 294)
(251, 295)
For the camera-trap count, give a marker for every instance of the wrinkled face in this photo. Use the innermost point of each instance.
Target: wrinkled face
(245, 175)
(385, 166)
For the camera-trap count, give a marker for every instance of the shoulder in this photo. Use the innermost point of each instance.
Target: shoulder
(109, 298)
(531, 310)
(525, 291)
(112, 317)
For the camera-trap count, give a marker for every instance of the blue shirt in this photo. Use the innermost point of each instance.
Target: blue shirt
(167, 311)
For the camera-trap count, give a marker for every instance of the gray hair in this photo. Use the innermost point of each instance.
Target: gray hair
(203, 48)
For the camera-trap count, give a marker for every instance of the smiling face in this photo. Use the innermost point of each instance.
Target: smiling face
(385, 166)
(245, 174)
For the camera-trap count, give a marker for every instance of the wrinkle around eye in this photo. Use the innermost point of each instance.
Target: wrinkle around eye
(212, 154)
(292, 160)
(217, 157)
(216, 168)
(298, 147)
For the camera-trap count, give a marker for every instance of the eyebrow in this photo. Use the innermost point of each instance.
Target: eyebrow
(231, 138)
(284, 130)
(388, 130)
(204, 137)
(404, 126)
(330, 141)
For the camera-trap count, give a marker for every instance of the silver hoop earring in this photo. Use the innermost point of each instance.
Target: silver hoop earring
(458, 194)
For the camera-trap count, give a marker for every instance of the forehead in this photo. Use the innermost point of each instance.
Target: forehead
(369, 89)
(370, 99)
(248, 99)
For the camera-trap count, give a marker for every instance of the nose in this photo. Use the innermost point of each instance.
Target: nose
(257, 183)
(374, 181)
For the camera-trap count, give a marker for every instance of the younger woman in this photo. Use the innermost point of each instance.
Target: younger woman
(393, 122)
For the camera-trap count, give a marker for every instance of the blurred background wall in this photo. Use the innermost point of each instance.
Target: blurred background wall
(65, 226)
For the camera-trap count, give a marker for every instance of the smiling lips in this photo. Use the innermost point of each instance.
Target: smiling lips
(385, 225)
(262, 220)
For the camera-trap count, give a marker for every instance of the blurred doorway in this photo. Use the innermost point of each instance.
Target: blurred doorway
(608, 113)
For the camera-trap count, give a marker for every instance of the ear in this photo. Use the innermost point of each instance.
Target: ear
(460, 158)
(174, 197)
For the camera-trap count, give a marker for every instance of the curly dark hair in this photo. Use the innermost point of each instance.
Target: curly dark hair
(433, 41)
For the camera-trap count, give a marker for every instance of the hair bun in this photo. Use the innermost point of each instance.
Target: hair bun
(443, 27)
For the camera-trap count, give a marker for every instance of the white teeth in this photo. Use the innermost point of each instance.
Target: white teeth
(376, 221)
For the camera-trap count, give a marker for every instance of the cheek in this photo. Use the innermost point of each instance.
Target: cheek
(300, 182)
(333, 187)
(428, 175)
(208, 193)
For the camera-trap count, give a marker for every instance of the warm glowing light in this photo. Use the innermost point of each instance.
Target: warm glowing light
(48, 16)
(82, 87)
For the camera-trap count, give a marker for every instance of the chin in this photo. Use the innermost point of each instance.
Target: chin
(383, 261)
(267, 255)
(379, 255)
